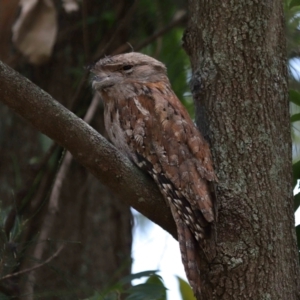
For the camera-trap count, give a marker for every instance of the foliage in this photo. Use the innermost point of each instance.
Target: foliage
(185, 290)
(152, 289)
(294, 3)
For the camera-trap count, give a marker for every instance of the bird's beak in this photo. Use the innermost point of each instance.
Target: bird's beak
(101, 81)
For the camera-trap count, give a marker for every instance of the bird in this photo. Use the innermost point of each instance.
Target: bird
(146, 121)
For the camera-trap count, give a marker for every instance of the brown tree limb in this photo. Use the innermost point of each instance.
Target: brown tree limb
(87, 146)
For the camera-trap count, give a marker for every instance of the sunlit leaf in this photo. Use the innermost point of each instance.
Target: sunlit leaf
(185, 290)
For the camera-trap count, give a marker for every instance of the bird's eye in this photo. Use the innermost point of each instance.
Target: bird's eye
(127, 68)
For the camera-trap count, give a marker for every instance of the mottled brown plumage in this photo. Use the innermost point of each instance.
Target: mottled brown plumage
(147, 122)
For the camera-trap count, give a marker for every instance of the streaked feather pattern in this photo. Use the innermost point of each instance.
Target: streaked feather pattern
(147, 122)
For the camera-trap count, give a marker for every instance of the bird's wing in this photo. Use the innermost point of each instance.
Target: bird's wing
(168, 145)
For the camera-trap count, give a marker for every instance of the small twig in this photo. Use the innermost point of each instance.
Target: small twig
(154, 36)
(162, 31)
(92, 109)
(57, 186)
(85, 31)
(35, 267)
(79, 89)
(99, 53)
(10, 220)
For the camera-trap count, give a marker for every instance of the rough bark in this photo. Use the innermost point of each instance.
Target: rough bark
(239, 81)
(237, 52)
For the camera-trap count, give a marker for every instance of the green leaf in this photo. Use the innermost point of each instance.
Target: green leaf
(298, 236)
(296, 201)
(294, 3)
(185, 290)
(294, 96)
(296, 172)
(295, 118)
(131, 277)
(98, 296)
(147, 291)
(156, 279)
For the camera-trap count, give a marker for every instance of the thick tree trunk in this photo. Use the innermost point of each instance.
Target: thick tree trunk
(237, 52)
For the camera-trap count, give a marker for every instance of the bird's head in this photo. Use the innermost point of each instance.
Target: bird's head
(115, 71)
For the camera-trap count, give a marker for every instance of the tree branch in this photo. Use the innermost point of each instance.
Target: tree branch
(87, 146)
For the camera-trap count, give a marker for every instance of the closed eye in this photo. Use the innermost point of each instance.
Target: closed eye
(127, 68)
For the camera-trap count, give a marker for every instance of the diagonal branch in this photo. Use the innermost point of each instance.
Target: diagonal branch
(87, 146)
